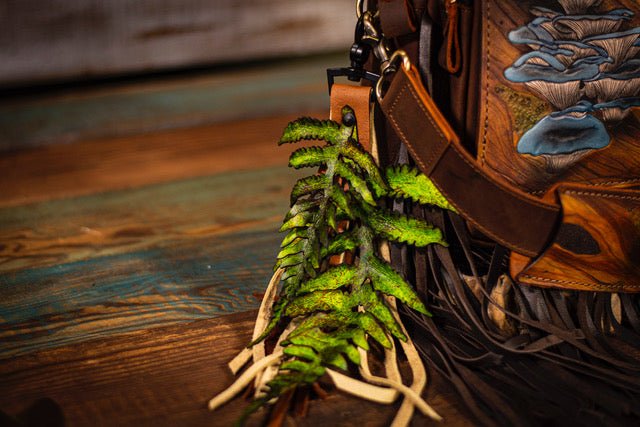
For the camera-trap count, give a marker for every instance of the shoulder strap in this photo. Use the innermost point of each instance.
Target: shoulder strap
(508, 215)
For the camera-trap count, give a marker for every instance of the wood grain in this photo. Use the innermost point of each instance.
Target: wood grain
(137, 106)
(165, 376)
(99, 265)
(608, 259)
(69, 170)
(71, 230)
(83, 38)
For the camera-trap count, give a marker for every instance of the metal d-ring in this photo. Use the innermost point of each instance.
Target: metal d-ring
(359, 8)
(390, 68)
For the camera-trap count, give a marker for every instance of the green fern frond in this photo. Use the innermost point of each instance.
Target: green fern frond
(409, 183)
(337, 309)
(403, 229)
(343, 242)
(308, 185)
(365, 162)
(386, 280)
(307, 128)
(292, 235)
(300, 220)
(318, 301)
(311, 157)
(371, 326)
(278, 311)
(341, 200)
(302, 352)
(377, 307)
(295, 247)
(332, 279)
(358, 184)
(301, 206)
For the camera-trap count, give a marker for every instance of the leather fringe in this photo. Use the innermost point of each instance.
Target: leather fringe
(519, 355)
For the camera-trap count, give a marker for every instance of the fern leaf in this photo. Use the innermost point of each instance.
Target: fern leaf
(352, 353)
(289, 261)
(402, 229)
(332, 214)
(408, 183)
(303, 367)
(301, 206)
(359, 338)
(340, 199)
(318, 320)
(337, 360)
(342, 242)
(311, 157)
(302, 352)
(364, 161)
(295, 247)
(278, 310)
(308, 185)
(292, 235)
(332, 279)
(377, 307)
(386, 280)
(318, 301)
(300, 220)
(358, 184)
(370, 325)
(307, 128)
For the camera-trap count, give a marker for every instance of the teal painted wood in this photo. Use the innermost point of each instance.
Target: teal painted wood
(44, 308)
(166, 103)
(96, 266)
(63, 231)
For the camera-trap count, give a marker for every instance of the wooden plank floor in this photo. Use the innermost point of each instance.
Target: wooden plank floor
(130, 271)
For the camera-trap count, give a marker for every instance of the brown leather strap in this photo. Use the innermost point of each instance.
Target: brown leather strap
(511, 217)
(397, 18)
(359, 99)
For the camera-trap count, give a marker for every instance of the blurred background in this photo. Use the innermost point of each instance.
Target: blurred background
(77, 69)
(141, 192)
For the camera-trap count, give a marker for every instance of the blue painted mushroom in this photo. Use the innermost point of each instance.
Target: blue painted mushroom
(563, 139)
(578, 27)
(573, 7)
(623, 83)
(551, 79)
(620, 46)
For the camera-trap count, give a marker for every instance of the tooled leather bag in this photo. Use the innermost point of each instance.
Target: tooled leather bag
(524, 115)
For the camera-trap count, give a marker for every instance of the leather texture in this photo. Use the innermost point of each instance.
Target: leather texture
(359, 99)
(397, 17)
(494, 208)
(512, 197)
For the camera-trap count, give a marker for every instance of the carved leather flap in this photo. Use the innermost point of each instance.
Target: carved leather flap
(597, 247)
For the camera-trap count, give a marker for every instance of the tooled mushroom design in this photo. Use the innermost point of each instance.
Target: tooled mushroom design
(585, 65)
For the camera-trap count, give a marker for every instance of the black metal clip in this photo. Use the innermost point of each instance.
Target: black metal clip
(359, 54)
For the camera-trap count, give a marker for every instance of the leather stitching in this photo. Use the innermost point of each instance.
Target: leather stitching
(588, 285)
(569, 282)
(605, 195)
(486, 94)
(422, 164)
(475, 166)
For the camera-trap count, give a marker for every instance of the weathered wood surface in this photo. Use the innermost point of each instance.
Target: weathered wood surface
(165, 376)
(110, 263)
(70, 170)
(162, 103)
(124, 306)
(84, 38)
